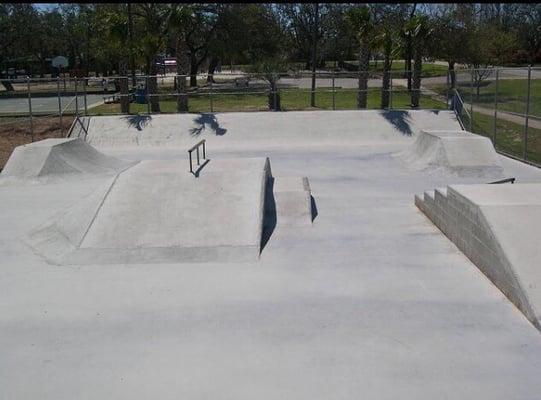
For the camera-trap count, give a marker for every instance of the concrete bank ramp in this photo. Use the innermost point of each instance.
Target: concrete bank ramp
(498, 227)
(157, 212)
(245, 129)
(456, 152)
(51, 157)
(293, 201)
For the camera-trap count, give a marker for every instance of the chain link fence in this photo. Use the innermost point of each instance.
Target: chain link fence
(501, 103)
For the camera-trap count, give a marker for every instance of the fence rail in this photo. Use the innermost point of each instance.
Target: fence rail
(501, 103)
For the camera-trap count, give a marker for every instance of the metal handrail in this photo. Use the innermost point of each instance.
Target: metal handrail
(196, 147)
(75, 121)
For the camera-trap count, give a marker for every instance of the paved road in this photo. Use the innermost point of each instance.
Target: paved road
(44, 105)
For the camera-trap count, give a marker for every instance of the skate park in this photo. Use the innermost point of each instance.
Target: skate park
(316, 254)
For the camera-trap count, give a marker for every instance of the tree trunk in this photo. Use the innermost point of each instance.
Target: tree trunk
(212, 68)
(181, 52)
(364, 62)
(408, 62)
(386, 81)
(124, 92)
(417, 68)
(274, 99)
(153, 88)
(193, 71)
(452, 74)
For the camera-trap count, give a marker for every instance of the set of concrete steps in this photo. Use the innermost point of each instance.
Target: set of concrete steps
(498, 227)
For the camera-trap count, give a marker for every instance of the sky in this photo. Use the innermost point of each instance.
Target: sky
(45, 6)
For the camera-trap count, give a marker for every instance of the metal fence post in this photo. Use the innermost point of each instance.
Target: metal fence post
(496, 107)
(333, 92)
(210, 94)
(527, 113)
(60, 106)
(76, 97)
(448, 90)
(275, 88)
(148, 96)
(471, 101)
(30, 110)
(85, 100)
(390, 90)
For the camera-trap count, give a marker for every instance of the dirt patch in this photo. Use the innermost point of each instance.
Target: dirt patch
(16, 132)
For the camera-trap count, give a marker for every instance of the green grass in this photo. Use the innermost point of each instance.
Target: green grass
(511, 95)
(509, 136)
(291, 99)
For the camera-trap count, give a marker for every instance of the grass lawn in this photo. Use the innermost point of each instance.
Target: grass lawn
(509, 136)
(291, 99)
(511, 95)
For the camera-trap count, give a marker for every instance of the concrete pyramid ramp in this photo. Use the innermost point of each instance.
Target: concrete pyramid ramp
(158, 212)
(455, 152)
(59, 157)
(499, 228)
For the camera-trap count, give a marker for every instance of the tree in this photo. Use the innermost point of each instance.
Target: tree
(155, 18)
(387, 40)
(419, 29)
(362, 22)
(180, 16)
(270, 69)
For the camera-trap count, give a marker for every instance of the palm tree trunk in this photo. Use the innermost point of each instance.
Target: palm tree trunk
(153, 88)
(416, 84)
(364, 62)
(181, 52)
(212, 68)
(124, 93)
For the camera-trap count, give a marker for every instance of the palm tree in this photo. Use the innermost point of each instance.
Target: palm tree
(361, 20)
(155, 19)
(419, 30)
(387, 41)
(269, 70)
(180, 15)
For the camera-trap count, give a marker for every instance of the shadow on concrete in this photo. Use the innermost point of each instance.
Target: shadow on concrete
(313, 207)
(400, 120)
(269, 218)
(207, 119)
(200, 167)
(138, 121)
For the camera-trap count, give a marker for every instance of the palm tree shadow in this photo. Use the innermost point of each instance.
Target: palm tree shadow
(138, 121)
(400, 120)
(205, 119)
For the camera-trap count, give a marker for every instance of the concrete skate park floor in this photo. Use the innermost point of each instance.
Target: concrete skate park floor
(371, 302)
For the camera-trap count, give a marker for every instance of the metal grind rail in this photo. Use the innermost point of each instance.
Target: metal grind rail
(196, 148)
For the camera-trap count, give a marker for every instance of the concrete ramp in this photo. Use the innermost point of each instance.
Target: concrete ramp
(60, 157)
(293, 201)
(268, 129)
(498, 227)
(157, 212)
(456, 152)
